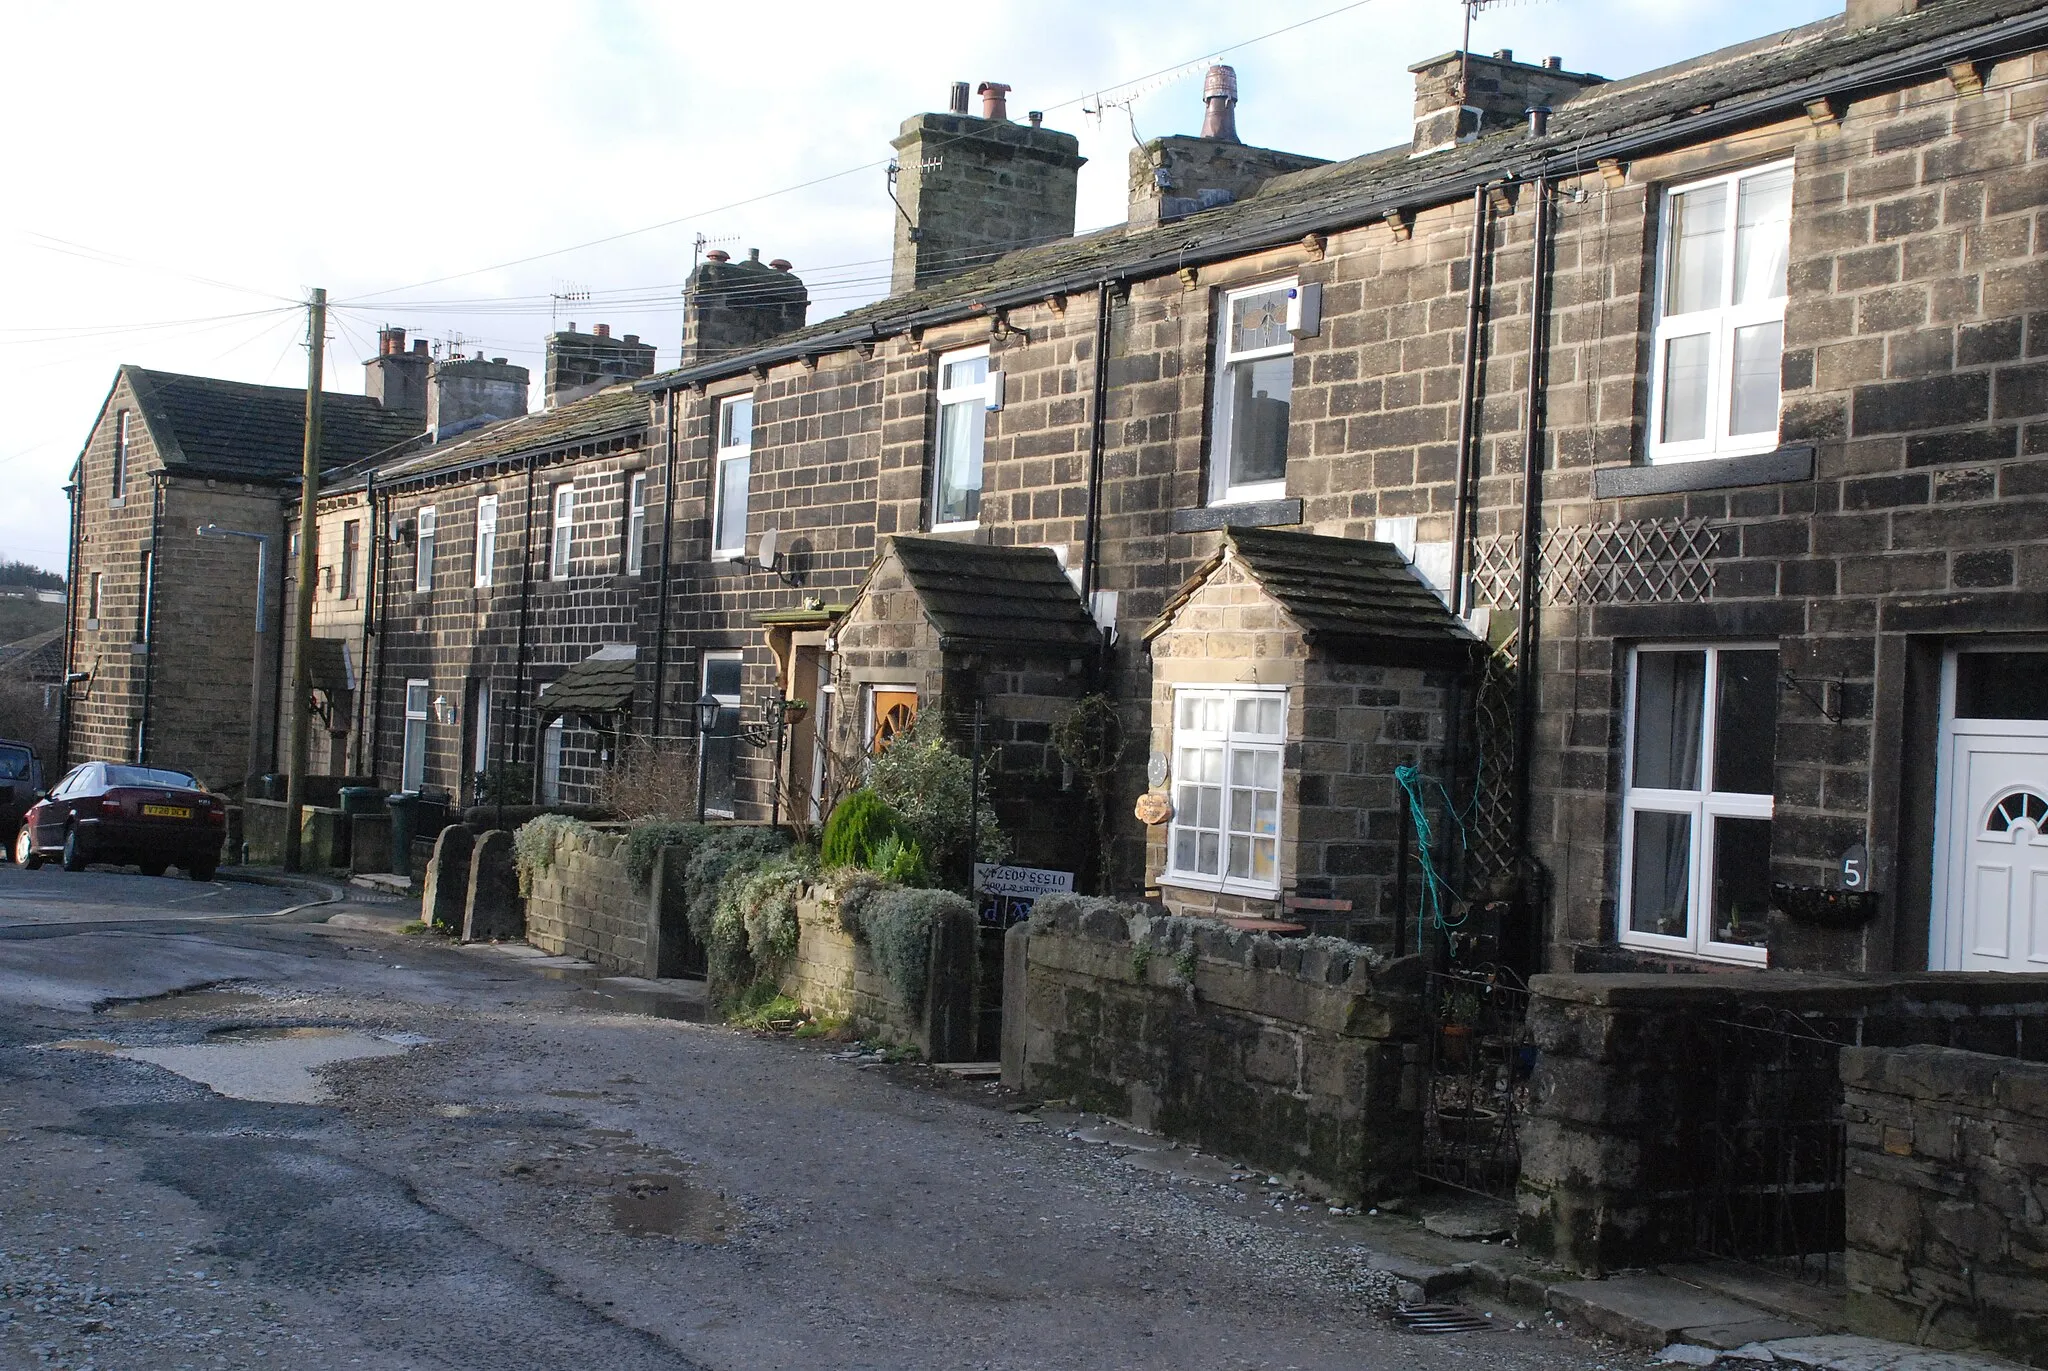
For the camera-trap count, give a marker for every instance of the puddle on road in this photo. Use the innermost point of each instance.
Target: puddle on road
(658, 1204)
(267, 1065)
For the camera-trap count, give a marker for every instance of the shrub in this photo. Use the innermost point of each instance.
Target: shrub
(645, 840)
(646, 781)
(897, 925)
(534, 843)
(900, 861)
(764, 900)
(933, 788)
(510, 784)
(714, 857)
(858, 826)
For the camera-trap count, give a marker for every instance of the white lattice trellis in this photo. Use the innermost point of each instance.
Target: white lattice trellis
(1647, 561)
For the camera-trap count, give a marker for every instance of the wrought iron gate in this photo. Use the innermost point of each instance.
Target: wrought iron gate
(1765, 1141)
(1478, 1057)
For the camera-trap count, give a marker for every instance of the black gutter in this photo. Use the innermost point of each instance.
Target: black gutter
(1929, 58)
(1532, 511)
(668, 519)
(159, 480)
(75, 492)
(1097, 441)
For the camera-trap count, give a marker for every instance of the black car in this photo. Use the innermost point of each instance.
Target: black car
(107, 812)
(21, 780)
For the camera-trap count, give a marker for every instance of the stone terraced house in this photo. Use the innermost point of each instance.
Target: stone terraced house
(1764, 612)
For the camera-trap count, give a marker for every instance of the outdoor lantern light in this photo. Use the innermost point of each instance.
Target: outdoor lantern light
(707, 712)
(444, 713)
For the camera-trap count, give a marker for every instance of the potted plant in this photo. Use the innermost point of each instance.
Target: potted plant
(1461, 1017)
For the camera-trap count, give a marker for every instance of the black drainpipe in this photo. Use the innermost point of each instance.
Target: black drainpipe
(505, 731)
(668, 519)
(75, 492)
(1532, 509)
(379, 605)
(364, 693)
(156, 537)
(1468, 400)
(1461, 506)
(1097, 441)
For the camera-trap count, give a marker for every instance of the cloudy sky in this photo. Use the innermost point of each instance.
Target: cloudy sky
(180, 175)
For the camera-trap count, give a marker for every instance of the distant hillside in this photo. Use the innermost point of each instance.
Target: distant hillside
(25, 574)
(23, 618)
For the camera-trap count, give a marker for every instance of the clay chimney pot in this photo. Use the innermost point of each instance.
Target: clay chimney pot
(718, 255)
(992, 103)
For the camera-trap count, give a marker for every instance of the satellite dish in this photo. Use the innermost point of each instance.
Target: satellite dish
(764, 551)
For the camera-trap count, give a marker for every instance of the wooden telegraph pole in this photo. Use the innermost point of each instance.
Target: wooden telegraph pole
(300, 708)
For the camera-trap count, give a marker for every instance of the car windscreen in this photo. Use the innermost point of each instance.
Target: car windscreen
(149, 775)
(15, 763)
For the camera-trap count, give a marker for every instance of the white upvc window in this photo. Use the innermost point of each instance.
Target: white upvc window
(733, 472)
(963, 433)
(1696, 806)
(1250, 405)
(551, 762)
(480, 722)
(636, 522)
(1720, 336)
(562, 532)
(423, 566)
(486, 538)
(1228, 746)
(412, 767)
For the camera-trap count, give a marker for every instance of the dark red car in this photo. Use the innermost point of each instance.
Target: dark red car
(107, 812)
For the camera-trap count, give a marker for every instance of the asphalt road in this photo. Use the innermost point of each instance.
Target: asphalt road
(239, 1141)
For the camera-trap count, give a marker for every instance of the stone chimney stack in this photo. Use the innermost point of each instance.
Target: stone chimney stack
(581, 364)
(395, 378)
(467, 392)
(733, 306)
(1863, 13)
(1458, 96)
(1176, 176)
(973, 189)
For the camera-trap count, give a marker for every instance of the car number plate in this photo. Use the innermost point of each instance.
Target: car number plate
(165, 812)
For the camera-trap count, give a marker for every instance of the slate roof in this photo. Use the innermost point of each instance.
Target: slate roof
(1003, 598)
(615, 410)
(601, 683)
(207, 426)
(1343, 592)
(1692, 101)
(38, 657)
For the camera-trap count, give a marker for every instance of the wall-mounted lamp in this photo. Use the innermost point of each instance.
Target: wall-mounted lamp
(444, 713)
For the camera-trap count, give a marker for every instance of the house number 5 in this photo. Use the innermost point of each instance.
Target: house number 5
(1856, 868)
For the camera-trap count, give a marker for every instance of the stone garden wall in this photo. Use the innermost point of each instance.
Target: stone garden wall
(586, 905)
(1948, 1198)
(1294, 1055)
(835, 974)
(1633, 1070)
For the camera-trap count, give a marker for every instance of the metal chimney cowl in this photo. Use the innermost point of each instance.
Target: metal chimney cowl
(1219, 104)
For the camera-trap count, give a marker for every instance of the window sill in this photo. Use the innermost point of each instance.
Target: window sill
(1793, 462)
(1252, 514)
(957, 526)
(1197, 885)
(1671, 947)
(730, 554)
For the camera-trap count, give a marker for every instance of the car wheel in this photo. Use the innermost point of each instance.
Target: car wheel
(202, 871)
(25, 850)
(154, 868)
(74, 852)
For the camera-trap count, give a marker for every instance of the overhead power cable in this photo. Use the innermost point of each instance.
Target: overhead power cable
(1098, 94)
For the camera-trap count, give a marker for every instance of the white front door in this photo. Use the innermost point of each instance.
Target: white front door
(1991, 871)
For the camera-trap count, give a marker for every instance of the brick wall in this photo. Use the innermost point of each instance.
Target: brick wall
(1291, 1054)
(1947, 1187)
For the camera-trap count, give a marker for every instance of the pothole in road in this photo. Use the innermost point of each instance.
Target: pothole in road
(185, 1004)
(658, 1204)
